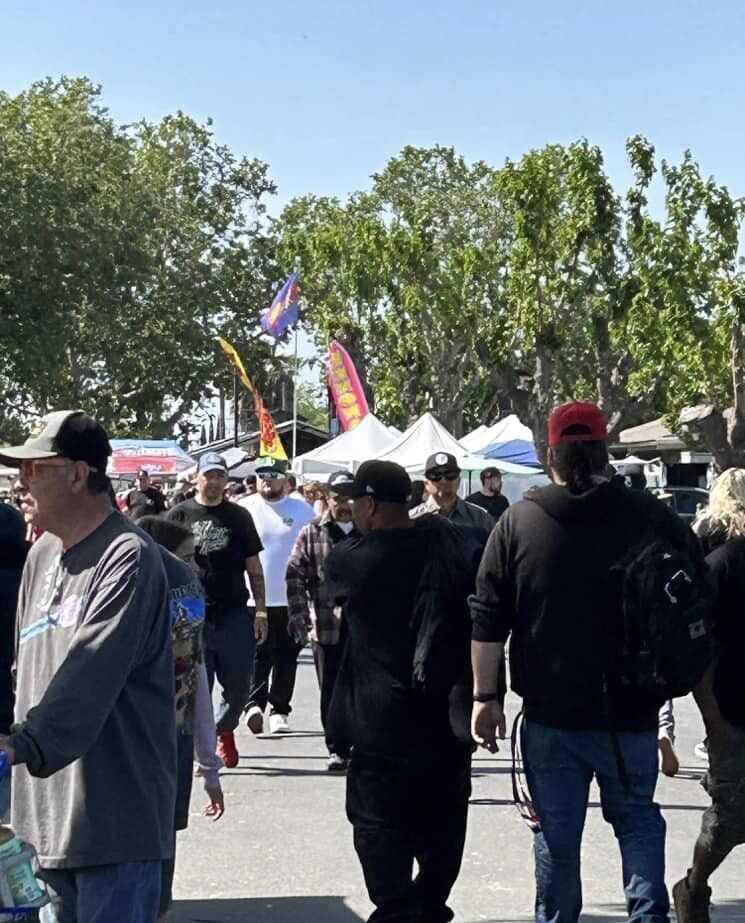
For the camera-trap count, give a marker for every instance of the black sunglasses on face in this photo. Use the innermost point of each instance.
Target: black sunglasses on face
(439, 477)
(268, 475)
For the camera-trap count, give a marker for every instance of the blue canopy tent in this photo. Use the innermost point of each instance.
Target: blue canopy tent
(517, 451)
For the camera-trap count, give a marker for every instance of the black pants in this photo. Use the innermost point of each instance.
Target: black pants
(275, 658)
(228, 655)
(327, 658)
(410, 810)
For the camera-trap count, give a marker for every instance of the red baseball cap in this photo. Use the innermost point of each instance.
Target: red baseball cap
(577, 413)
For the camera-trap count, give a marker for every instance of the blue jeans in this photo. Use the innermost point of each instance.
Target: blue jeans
(229, 648)
(559, 766)
(124, 893)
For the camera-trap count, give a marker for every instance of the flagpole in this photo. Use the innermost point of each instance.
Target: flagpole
(294, 402)
(235, 407)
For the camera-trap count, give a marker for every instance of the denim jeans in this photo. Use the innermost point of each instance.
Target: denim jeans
(559, 766)
(229, 647)
(123, 893)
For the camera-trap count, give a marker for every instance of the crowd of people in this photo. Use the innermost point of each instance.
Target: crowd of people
(120, 613)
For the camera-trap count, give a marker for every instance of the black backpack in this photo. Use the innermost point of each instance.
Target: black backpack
(665, 607)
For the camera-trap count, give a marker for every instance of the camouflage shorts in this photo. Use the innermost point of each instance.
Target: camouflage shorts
(723, 824)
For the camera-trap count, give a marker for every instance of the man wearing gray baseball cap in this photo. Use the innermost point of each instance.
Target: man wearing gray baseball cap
(94, 699)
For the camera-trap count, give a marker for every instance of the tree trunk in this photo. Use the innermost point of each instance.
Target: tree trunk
(723, 432)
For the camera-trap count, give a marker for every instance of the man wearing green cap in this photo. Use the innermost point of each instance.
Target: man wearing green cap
(278, 519)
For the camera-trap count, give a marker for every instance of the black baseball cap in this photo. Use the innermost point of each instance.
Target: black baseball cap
(143, 473)
(339, 477)
(441, 463)
(382, 480)
(71, 434)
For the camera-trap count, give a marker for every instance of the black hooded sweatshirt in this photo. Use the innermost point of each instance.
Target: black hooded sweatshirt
(545, 579)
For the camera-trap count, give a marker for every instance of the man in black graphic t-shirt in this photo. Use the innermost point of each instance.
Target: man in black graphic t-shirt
(227, 547)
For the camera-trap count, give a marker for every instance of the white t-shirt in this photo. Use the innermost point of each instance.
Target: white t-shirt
(278, 523)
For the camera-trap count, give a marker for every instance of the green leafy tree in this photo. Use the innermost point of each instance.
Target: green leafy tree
(461, 288)
(689, 280)
(124, 252)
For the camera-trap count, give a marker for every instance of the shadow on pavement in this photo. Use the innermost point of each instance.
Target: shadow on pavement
(593, 804)
(327, 909)
(721, 912)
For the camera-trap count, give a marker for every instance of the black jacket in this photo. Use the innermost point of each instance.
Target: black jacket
(545, 579)
(13, 549)
(727, 574)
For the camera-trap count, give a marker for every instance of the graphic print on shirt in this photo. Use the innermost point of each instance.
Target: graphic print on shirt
(210, 537)
(53, 610)
(187, 610)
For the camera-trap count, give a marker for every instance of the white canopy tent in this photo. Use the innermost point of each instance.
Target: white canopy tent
(427, 435)
(347, 452)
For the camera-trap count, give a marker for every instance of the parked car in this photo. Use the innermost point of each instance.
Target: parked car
(685, 501)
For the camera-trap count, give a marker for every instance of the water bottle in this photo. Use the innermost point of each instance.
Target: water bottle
(18, 884)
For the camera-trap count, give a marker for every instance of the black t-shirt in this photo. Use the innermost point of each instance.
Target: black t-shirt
(225, 536)
(727, 574)
(147, 502)
(495, 505)
(376, 709)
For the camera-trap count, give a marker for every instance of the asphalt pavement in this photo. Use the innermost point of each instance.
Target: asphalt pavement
(283, 851)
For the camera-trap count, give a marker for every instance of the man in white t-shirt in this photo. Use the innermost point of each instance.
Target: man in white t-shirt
(278, 519)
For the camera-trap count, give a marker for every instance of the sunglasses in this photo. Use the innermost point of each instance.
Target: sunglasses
(269, 475)
(435, 478)
(31, 469)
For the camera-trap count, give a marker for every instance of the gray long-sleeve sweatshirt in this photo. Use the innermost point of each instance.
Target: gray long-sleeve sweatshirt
(95, 701)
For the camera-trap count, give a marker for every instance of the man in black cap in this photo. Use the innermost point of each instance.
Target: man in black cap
(310, 613)
(402, 695)
(94, 693)
(490, 497)
(228, 547)
(144, 499)
(441, 480)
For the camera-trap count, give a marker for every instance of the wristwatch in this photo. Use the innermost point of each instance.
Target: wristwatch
(261, 614)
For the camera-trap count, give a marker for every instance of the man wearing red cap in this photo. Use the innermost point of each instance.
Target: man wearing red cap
(545, 578)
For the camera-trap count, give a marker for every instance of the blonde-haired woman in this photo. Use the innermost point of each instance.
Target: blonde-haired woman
(721, 697)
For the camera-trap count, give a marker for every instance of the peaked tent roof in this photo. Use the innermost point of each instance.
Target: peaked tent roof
(507, 440)
(421, 439)
(367, 440)
(508, 429)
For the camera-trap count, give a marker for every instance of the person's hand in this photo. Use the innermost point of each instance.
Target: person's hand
(216, 808)
(298, 631)
(261, 629)
(487, 720)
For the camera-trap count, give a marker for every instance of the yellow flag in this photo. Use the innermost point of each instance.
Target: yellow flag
(270, 445)
(235, 360)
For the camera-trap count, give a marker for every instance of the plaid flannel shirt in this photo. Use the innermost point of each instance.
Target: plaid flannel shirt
(307, 604)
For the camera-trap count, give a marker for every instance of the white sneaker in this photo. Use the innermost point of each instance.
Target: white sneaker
(278, 724)
(255, 719)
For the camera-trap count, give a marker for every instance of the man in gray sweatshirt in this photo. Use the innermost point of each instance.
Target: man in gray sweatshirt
(94, 746)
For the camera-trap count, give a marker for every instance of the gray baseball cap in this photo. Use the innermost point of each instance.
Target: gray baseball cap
(70, 434)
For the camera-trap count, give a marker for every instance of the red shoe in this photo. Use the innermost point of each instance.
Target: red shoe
(226, 749)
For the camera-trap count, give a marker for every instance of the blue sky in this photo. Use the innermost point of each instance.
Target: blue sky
(326, 91)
